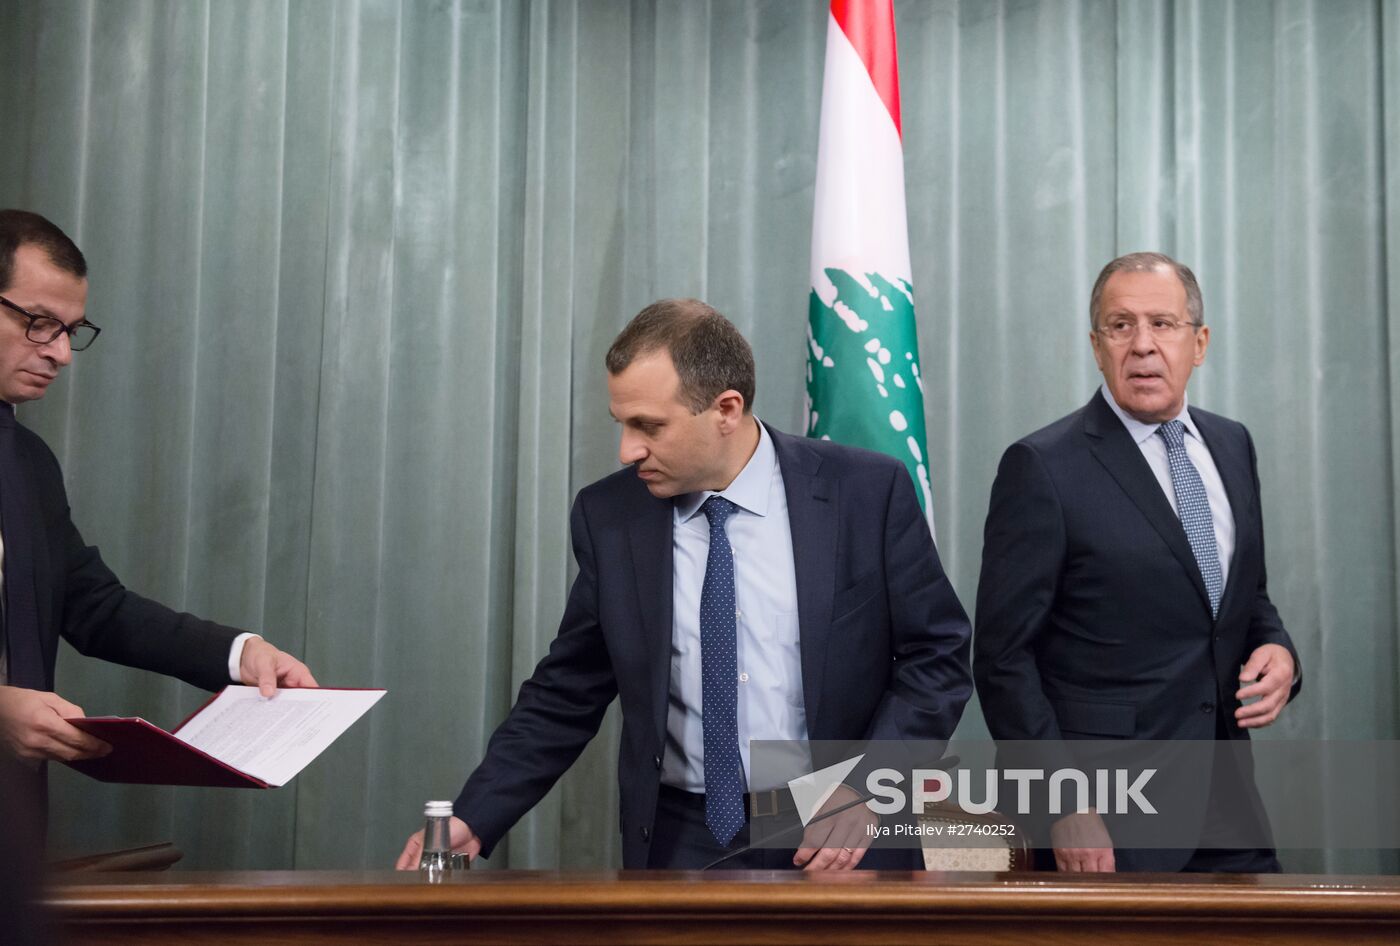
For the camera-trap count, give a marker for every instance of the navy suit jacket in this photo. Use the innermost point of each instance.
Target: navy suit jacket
(1093, 621)
(80, 598)
(883, 638)
(77, 597)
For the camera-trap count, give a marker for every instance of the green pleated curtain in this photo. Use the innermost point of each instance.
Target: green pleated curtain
(357, 264)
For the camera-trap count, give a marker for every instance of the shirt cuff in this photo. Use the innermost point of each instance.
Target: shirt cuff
(235, 654)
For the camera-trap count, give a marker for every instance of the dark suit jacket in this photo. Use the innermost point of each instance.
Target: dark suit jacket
(1092, 618)
(883, 637)
(78, 597)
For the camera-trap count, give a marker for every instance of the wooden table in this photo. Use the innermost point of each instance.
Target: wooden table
(737, 907)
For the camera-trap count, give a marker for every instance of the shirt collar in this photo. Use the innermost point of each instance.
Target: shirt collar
(1139, 431)
(750, 489)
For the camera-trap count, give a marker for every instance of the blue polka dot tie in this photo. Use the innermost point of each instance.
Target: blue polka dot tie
(719, 684)
(1193, 508)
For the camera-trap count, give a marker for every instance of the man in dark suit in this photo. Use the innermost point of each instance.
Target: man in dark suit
(735, 583)
(1123, 590)
(54, 584)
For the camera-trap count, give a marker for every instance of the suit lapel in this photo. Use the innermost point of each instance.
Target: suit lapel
(649, 535)
(812, 510)
(1232, 462)
(19, 518)
(43, 590)
(1114, 448)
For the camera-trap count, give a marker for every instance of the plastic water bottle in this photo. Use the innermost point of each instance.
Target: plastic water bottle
(437, 860)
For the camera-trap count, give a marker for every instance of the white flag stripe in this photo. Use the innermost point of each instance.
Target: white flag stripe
(859, 221)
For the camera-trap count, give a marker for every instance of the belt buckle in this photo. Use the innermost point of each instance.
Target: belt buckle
(757, 808)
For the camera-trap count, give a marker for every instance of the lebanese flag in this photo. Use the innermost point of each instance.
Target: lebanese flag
(863, 382)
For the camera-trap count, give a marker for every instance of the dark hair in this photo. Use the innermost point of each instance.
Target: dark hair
(1146, 263)
(22, 228)
(709, 354)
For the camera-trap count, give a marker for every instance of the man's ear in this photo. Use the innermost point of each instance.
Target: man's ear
(730, 405)
(1202, 340)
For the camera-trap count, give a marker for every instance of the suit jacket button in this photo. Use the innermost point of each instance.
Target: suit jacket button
(656, 761)
(646, 834)
(1207, 707)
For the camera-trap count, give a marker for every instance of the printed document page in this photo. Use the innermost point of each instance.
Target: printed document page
(274, 738)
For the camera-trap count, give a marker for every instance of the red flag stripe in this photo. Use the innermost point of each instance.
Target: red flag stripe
(869, 25)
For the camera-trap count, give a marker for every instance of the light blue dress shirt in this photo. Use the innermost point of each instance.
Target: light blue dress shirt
(1154, 450)
(765, 585)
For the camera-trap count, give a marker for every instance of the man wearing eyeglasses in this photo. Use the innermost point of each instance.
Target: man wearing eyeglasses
(1123, 591)
(53, 583)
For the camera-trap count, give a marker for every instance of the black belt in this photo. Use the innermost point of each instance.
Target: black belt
(775, 801)
(765, 804)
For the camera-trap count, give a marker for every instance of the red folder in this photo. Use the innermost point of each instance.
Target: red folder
(143, 754)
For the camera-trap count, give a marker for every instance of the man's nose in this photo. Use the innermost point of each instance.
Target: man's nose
(631, 450)
(1144, 341)
(59, 351)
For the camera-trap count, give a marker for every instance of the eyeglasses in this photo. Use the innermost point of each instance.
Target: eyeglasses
(45, 328)
(1121, 330)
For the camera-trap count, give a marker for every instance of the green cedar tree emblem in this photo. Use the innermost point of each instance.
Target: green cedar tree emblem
(863, 379)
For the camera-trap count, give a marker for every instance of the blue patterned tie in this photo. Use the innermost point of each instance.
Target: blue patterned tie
(719, 684)
(1193, 508)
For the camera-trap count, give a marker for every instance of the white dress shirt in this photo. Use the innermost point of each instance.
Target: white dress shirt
(1154, 450)
(765, 585)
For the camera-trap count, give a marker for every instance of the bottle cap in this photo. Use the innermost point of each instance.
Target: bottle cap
(438, 809)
